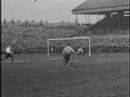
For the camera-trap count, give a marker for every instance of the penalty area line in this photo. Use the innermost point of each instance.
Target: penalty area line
(16, 61)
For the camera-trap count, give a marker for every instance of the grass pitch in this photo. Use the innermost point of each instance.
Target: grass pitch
(103, 75)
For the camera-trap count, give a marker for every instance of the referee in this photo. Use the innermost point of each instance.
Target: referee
(66, 53)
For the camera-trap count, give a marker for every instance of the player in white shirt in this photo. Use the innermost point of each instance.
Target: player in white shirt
(66, 53)
(9, 53)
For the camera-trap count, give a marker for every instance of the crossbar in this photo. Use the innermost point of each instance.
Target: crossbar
(69, 38)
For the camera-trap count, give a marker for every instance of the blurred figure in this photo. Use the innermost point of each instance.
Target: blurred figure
(9, 53)
(52, 49)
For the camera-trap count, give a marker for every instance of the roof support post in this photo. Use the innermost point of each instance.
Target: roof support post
(89, 20)
(76, 19)
(121, 14)
(86, 19)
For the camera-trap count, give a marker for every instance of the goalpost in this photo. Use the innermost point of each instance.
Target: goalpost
(63, 39)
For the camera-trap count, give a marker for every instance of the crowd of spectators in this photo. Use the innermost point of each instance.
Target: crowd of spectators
(24, 37)
(99, 40)
(31, 37)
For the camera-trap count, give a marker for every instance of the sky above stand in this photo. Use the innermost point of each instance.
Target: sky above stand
(45, 10)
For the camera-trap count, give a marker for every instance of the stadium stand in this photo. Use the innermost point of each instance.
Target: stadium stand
(32, 38)
(111, 25)
(109, 33)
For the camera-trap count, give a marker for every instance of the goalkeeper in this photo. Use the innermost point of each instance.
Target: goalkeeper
(66, 53)
(80, 51)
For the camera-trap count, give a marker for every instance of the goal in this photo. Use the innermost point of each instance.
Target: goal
(59, 42)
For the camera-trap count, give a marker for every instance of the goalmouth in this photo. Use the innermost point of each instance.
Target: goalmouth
(74, 38)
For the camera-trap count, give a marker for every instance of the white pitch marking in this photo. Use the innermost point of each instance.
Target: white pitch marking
(17, 61)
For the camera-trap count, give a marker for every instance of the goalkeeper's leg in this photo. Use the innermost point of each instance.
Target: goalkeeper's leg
(98, 51)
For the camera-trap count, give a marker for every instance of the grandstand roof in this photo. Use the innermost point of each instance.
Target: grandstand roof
(101, 6)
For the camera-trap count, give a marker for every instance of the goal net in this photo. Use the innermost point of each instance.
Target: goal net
(55, 46)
